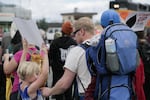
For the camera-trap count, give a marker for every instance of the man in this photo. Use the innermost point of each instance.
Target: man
(59, 49)
(75, 65)
(110, 17)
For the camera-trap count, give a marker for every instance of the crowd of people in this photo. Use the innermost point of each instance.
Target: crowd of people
(71, 79)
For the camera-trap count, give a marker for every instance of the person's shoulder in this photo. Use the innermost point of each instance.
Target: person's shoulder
(17, 55)
(78, 47)
(77, 50)
(94, 40)
(56, 41)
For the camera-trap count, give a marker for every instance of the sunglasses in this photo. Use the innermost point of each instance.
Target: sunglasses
(75, 32)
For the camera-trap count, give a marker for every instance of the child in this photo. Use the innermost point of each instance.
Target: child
(32, 74)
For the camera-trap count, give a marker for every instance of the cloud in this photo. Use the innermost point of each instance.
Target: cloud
(52, 9)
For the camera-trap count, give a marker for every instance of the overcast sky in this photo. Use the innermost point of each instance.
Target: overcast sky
(52, 9)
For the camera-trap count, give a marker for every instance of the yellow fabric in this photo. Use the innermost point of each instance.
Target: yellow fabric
(8, 88)
(36, 58)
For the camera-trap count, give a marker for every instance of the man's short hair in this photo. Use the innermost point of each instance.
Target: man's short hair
(85, 23)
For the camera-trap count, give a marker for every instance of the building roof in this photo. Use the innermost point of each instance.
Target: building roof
(6, 5)
(79, 13)
(54, 24)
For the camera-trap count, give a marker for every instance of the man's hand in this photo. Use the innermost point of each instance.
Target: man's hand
(46, 91)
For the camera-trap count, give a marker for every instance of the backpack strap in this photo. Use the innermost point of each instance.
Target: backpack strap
(95, 79)
(84, 46)
(91, 68)
(109, 86)
(97, 93)
(81, 84)
(132, 78)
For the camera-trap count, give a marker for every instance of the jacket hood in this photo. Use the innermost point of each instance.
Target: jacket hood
(109, 16)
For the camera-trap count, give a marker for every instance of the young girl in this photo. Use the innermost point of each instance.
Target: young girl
(32, 74)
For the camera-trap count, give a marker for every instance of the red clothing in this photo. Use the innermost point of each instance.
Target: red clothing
(89, 94)
(139, 81)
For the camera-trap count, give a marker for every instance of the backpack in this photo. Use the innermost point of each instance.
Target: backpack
(114, 60)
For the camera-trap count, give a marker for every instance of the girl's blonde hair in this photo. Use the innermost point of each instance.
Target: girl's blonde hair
(28, 68)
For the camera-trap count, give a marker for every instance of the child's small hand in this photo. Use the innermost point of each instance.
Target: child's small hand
(45, 91)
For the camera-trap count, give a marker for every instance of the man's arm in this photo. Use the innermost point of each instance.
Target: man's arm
(62, 85)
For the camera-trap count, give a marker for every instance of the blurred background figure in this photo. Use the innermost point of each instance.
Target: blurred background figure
(2, 83)
(1, 35)
(148, 36)
(57, 35)
(43, 34)
(6, 39)
(10, 65)
(144, 50)
(59, 48)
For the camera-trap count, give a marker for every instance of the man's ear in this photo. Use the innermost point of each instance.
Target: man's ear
(82, 32)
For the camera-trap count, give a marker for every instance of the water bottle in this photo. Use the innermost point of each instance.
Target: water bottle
(110, 45)
(111, 55)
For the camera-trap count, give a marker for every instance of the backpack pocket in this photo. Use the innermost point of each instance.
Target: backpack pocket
(112, 62)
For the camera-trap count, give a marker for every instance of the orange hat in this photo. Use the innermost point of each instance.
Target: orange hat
(67, 28)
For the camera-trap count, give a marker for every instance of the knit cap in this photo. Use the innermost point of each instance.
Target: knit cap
(67, 28)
